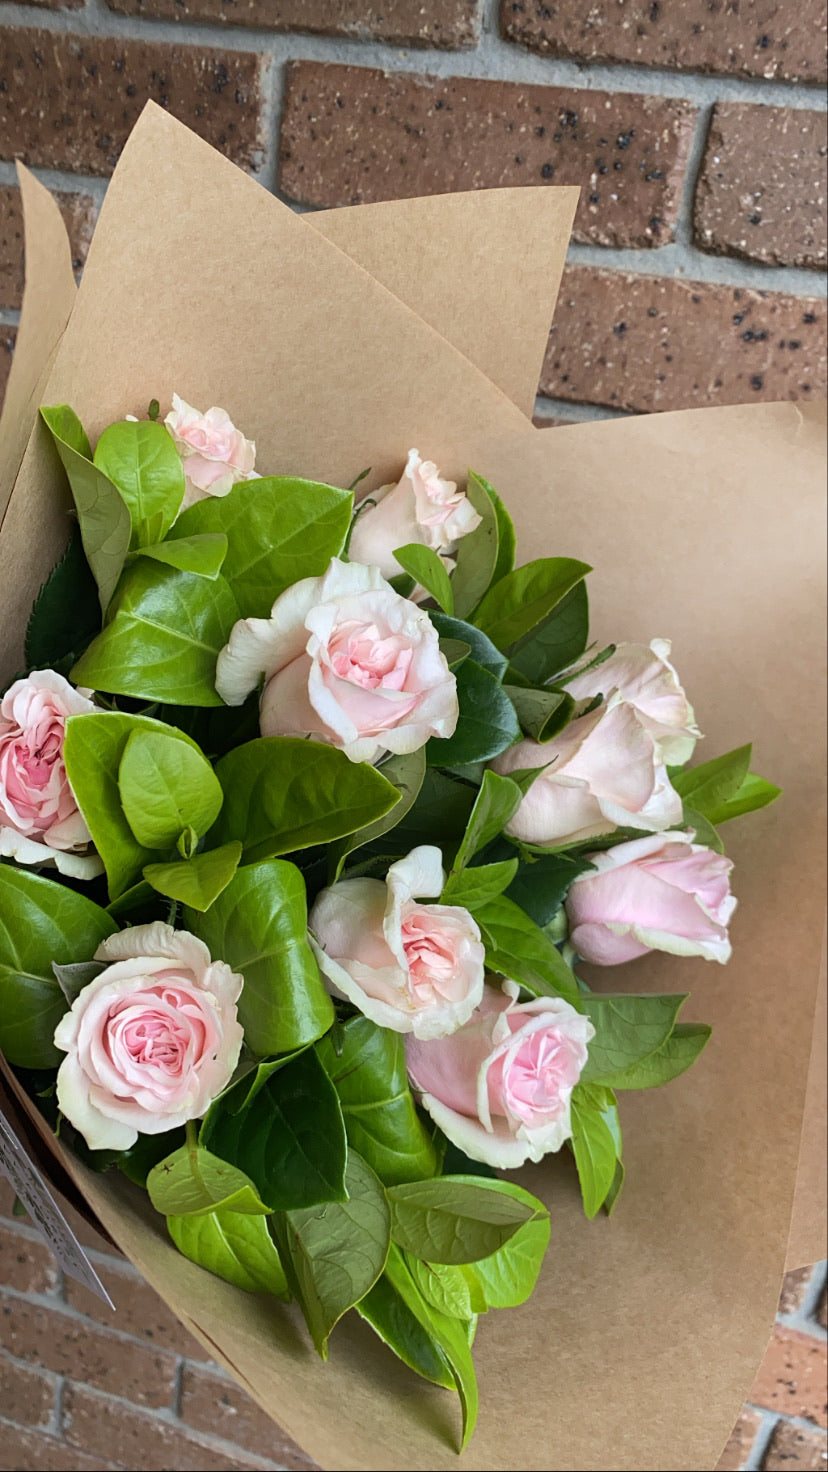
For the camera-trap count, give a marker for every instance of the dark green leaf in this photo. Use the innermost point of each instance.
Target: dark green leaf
(199, 880)
(542, 713)
(141, 461)
(456, 1219)
(192, 1182)
(483, 650)
(628, 1030)
(406, 772)
(477, 553)
(442, 806)
(541, 885)
(518, 949)
(166, 786)
(203, 555)
(487, 723)
(506, 543)
(387, 1312)
(66, 612)
(558, 642)
(703, 830)
(429, 570)
(237, 1248)
(102, 513)
(522, 601)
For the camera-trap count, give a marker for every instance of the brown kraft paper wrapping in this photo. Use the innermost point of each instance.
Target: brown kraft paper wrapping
(638, 1347)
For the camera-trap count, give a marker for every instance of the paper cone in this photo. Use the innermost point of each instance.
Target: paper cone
(640, 1343)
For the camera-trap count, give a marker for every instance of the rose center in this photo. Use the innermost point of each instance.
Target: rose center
(360, 655)
(432, 964)
(539, 1073)
(211, 442)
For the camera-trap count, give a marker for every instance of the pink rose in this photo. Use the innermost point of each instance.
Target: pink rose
(346, 660)
(663, 893)
(605, 771)
(214, 452)
(500, 1087)
(409, 967)
(421, 507)
(39, 817)
(151, 1041)
(645, 679)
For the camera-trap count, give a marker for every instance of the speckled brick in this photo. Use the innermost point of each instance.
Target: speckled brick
(32, 1450)
(213, 1404)
(69, 102)
(25, 1264)
(26, 1396)
(650, 342)
(78, 211)
(761, 193)
(793, 1377)
(758, 38)
(792, 1449)
(130, 1438)
(449, 24)
(740, 1442)
(138, 1311)
(352, 135)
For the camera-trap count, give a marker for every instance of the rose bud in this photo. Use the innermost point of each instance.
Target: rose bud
(215, 454)
(500, 1087)
(151, 1041)
(646, 680)
(662, 893)
(604, 771)
(346, 660)
(409, 967)
(421, 507)
(40, 821)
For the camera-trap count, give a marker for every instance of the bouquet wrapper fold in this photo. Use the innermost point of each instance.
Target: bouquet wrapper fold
(337, 342)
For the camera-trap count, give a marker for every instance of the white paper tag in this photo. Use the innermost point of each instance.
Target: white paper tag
(33, 1191)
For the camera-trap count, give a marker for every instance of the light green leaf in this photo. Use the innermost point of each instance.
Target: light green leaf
(474, 888)
(518, 948)
(593, 1145)
(628, 1029)
(674, 1057)
(199, 880)
(522, 601)
(102, 513)
(166, 786)
(483, 650)
(508, 1277)
(406, 772)
(754, 793)
(703, 830)
(487, 723)
(237, 1248)
(456, 1219)
(445, 1288)
(141, 460)
(192, 1182)
(497, 801)
(708, 787)
(203, 555)
(393, 1321)
(477, 553)
(428, 569)
(556, 644)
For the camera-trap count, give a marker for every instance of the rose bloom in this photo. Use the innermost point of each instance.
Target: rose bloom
(151, 1041)
(39, 818)
(663, 893)
(605, 771)
(500, 1087)
(346, 660)
(408, 966)
(421, 507)
(215, 454)
(646, 680)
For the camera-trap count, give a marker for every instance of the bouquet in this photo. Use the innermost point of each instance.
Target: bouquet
(315, 799)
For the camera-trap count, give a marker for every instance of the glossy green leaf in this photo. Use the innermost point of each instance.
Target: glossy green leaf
(542, 713)
(518, 949)
(203, 555)
(334, 1254)
(192, 1182)
(237, 1248)
(628, 1029)
(474, 888)
(103, 516)
(141, 460)
(495, 804)
(675, 1055)
(487, 723)
(66, 612)
(279, 529)
(406, 772)
(709, 786)
(429, 570)
(455, 1219)
(556, 644)
(442, 805)
(450, 1335)
(283, 793)
(593, 1145)
(483, 651)
(366, 1064)
(477, 553)
(258, 924)
(522, 601)
(166, 786)
(392, 1320)
(40, 922)
(506, 541)
(199, 880)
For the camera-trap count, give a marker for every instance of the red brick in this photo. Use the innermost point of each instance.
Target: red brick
(761, 193)
(449, 24)
(131, 1438)
(25, 1265)
(70, 1345)
(791, 1448)
(793, 1377)
(650, 342)
(26, 1396)
(69, 102)
(7, 337)
(352, 135)
(138, 1311)
(759, 38)
(741, 1441)
(795, 1286)
(213, 1404)
(78, 211)
(38, 1453)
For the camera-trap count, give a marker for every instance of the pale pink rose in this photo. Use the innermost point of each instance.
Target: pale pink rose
(604, 771)
(215, 454)
(39, 818)
(645, 679)
(409, 967)
(663, 893)
(500, 1087)
(346, 660)
(151, 1041)
(421, 507)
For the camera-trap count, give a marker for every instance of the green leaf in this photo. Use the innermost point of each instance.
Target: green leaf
(406, 772)
(628, 1030)
(497, 801)
(754, 793)
(258, 924)
(428, 569)
(289, 1138)
(558, 642)
(442, 806)
(674, 1057)
(506, 541)
(709, 786)
(518, 949)
(163, 636)
(390, 1317)
(541, 885)
(141, 461)
(237, 1248)
(66, 612)
(522, 601)
(166, 786)
(487, 723)
(334, 1255)
(454, 651)
(203, 555)
(73, 977)
(542, 713)
(703, 830)
(455, 1219)
(199, 880)
(282, 793)
(446, 1288)
(483, 650)
(40, 922)
(508, 1277)
(477, 553)
(366, 1064)
(279, 529)
(192, 1182)
(92, 750)
(102, 513)
(593, 1145)
(474, 888)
